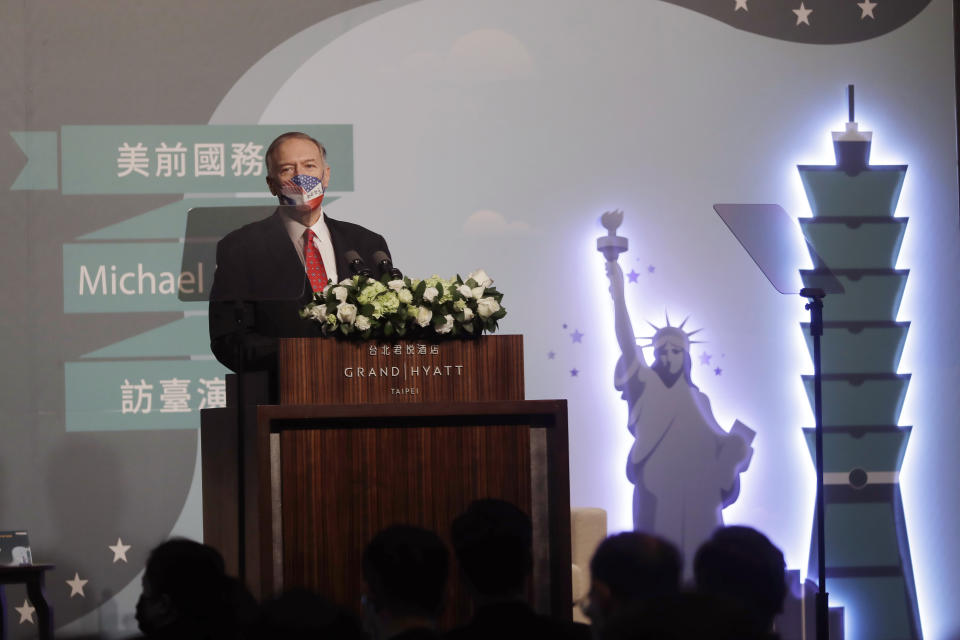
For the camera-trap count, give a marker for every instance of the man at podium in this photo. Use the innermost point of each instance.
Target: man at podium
(268, 270)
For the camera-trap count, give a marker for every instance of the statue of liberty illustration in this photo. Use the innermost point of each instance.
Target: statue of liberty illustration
(684, 467)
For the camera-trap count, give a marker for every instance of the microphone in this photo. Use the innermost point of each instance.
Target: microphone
(357, 265)
(385, 264)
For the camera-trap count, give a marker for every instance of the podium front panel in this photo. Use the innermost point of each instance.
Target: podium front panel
(331, 371)
(343, 476)
(379, 477)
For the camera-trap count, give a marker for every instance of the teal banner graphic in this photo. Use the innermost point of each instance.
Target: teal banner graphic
(107, 159)
(141, 394)
(169, 222)
(188, 336)
(40, 147)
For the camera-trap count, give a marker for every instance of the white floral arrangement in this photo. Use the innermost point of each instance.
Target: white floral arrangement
(364, 308)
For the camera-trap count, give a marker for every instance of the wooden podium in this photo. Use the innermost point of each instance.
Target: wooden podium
(371, 434)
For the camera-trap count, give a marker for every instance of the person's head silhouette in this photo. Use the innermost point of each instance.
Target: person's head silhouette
(742, 566)
(405, 568)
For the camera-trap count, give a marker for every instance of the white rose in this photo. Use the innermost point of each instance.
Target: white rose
(346, 312)
(319, 312)
(362, 323)
(424, 316)
(481, 278)
(447, 325)
(396, 285)
(478, 292)
(405, 296)
(430, 293)
(465, 291)
(486, 307)
(340, 293)
(467, 314)
(347, 281)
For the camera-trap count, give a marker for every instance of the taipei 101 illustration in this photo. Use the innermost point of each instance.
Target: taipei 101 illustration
(855, 240)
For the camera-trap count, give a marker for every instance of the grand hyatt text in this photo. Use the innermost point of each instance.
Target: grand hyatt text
(395, 371)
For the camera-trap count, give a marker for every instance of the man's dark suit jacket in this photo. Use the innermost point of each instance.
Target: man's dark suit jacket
(260, 285)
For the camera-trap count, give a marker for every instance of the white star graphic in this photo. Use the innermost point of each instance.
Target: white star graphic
(76, 585)
(741, 4)
(119, 550)
(803, 15)
(867, 8)
(26, 612)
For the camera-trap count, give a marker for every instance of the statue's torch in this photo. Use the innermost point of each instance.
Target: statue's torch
(611, 245)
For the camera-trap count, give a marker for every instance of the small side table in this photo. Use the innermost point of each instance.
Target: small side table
(32, 576)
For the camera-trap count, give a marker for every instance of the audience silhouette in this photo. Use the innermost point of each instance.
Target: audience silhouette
(627, 570)
(635, 591)
(493, 543)
(740, 566)
(300, 614)
(188, 596)
(405, 569)
(681, 616)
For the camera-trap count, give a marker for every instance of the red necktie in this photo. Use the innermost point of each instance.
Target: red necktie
(311, 256)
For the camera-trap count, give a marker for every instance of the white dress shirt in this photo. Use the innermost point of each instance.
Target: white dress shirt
(321, 240)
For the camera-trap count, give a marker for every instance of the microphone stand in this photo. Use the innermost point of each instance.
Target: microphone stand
(815, 306)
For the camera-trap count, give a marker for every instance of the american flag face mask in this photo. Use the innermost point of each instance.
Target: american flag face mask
(302, 191)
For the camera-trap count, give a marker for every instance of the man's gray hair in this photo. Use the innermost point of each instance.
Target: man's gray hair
(283, 137)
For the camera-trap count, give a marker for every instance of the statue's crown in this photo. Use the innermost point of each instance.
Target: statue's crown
(669, 334)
